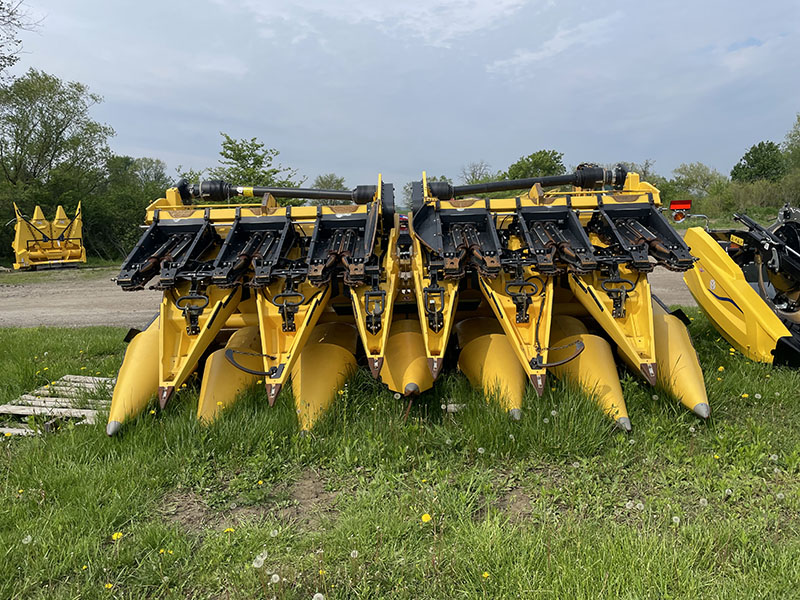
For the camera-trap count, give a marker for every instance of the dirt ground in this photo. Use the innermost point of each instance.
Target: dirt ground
(88, 296)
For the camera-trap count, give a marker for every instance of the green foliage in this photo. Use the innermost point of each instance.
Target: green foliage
(477, 172)
(762, 161)
(539, 164)
(791, 145)
(593, 511)
(329, 181)
(249, 162)
(696, 178)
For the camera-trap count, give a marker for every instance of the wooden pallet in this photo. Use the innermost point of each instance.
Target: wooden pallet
(71, 397)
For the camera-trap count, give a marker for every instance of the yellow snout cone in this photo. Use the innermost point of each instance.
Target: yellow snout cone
(222, 381)
(405, 369)
(490, 363)
(137, 380)
(593, 369)
(678, 368)
(324, 364)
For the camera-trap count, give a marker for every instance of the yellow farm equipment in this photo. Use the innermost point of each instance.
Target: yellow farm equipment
(39, 243)
(541, 282)
(747, 281)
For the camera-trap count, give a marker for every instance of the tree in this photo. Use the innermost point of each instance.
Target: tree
(696, 178)
(791, 145)
(46, 130)
(538, 164)
(113, 214)
(13, 19)
(476, 172)
(249, 162)
(762, 161)
(329, 181)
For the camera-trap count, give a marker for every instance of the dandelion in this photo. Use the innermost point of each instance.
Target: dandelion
(485, 575)
(20, 491)
(676, 520)
(773, 457)
(576, 464)
(84, 567)
(655, 396)
(629, 504)
(728, 492)
(354, 554)
(219, 403)
(426, 518)
(228, 530)
(546, 420)
(97, 373)
(318, 596)
(83, 368)
(757, 396)
(631, 441)
(152, 412)
(448, 441)
(275, 578)
(46, 368)
(258, 562)
(161, 551)
(692, 429)
(777, 394)
(511, 436)
(768, 375)
(170, 552)
(322, 571)
(27, 540)
(703, 502)
(720, 369)
(745, 395)
(273, 533)
(7, 434)
(553, 413)
(108, 586)
(481, 450)
(117, 535)
(776, 470)
(340, 392)
(716, 457)
(780, 496)
(639, 506)
(719, 378)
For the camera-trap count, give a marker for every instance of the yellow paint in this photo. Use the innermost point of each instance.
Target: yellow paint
(137, 380)
(222, 381)
(731, 304)
(36, 241)
(405, 362)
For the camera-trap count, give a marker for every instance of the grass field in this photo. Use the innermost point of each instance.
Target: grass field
(554, 506)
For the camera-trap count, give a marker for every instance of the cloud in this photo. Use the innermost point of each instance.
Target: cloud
(588, 33)
(435, 22)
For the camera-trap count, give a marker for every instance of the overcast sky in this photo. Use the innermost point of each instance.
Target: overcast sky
(396, 87)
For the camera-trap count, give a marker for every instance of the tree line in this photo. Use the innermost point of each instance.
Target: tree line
(52, 152)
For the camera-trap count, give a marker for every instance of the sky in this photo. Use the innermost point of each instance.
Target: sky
(398, 87)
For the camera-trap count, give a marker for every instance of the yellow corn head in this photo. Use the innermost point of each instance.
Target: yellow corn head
(39, 243)
(513, 288)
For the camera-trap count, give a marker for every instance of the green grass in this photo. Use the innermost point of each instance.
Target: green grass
(558, 509)
(48, 276)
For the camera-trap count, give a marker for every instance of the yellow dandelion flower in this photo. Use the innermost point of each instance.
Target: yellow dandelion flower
(108, 586)
(322, 571)
(219, 403)
(37, 372)
(117, 535)
(153, 411)
(83, 368)
(8, 434)
(228, 530)
(424, 481)
(768, 376)
(720, 369)
(97, 373)
(691, 318)
(260, 482)
(425, 518)
(260, 381)
(340, 392)
(19, 491)
(80, 351)
(170, 552)
(716, 456)
(485, 575)
(161, 551)
(719, 378)
(84, 567)
(745, 395)
(46, 368)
